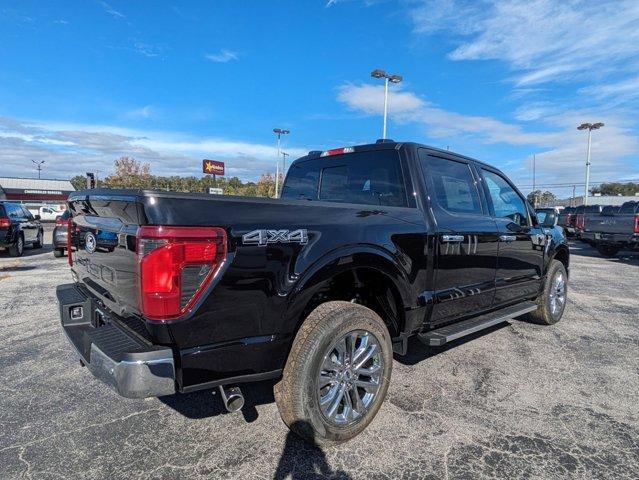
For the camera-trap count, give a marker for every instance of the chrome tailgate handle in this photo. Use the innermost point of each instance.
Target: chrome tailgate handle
(452, 238)
(507, 238)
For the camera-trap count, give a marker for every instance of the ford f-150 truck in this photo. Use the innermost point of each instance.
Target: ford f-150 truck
(367, 246)
(615, 229)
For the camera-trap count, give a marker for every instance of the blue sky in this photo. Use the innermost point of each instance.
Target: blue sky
(170, 83)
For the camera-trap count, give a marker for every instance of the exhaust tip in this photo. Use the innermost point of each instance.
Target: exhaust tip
(232, 398)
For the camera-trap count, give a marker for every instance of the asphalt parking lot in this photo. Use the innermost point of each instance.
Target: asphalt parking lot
(518, 401)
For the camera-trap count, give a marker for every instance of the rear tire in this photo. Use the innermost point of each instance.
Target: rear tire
(38, 242)
(318, 377)
(607, 251)
(58, 252)
(552, 302)
(17, 248)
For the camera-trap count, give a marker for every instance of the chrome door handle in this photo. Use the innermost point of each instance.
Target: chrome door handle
(452, 238)
(507, 238)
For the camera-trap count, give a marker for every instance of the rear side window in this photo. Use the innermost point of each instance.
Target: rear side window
(367, 178)
(3, 213)
(454, 186)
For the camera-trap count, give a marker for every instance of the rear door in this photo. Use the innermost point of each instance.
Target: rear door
(467, 238)
(29, 225)
(521, 245)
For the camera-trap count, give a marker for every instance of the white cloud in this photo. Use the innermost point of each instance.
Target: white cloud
(222, 57)
(141, 113)
(560, 145)
(112, 11)
(541, 40)
(71, 149)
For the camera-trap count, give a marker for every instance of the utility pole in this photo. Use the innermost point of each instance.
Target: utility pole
(279, 132)
(590, 127)
(284, 155)
(377, 73)
(38, 165)
(572, 200)
(534, 181)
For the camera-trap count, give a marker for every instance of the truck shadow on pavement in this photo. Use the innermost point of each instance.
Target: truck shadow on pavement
(208, 403)
(585, 250)
(299, 460)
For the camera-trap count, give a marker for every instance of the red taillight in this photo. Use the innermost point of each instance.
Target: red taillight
(337, 151)
(175, 265)
(636, 223)
(59, 221)
(580, 224)
(5, 222)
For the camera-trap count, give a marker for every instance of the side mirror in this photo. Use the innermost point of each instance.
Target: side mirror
(550, 221)
(37, 217)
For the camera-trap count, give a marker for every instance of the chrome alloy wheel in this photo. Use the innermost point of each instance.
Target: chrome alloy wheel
(350, 377)
(557, 297)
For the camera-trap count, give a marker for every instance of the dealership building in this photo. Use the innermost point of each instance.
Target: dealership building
(35, 192)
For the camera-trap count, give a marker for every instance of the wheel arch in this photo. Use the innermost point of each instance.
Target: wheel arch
(369, 275)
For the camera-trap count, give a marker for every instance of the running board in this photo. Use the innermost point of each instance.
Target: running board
(442, 335)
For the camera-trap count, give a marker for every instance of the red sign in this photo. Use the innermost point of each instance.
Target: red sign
(213, 167)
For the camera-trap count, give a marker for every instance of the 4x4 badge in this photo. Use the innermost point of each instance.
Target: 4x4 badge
(264, 237)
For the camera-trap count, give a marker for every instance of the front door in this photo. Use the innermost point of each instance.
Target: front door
(521, 244)
(467, 239)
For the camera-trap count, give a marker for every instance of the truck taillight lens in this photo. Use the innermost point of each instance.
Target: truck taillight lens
(636, 223)
(5, 222)
(175, 265)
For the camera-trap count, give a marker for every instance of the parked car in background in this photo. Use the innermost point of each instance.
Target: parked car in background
(566, 220)
(582, 214)
(18, 227)
(60, 233)
(47, 214)
(368, 246)
(615, 229)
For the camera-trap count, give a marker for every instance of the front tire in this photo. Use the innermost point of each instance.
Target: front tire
(552, 302)
(337, 373)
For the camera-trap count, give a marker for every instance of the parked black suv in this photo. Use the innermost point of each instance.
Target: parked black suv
(18, 227)
(368, 245)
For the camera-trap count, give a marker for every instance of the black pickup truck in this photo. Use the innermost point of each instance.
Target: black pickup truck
(368, 245)
(616, 228)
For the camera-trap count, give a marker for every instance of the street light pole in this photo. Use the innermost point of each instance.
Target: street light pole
(377, 73)
(590, 127)
(284, 155)
(38, 165)
(279, 132)
(534, 181)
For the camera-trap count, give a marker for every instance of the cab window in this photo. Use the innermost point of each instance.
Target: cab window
(506, 202)
(452, 183)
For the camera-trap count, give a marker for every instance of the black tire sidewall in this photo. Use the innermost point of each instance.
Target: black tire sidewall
(340, 323)
(555, 268)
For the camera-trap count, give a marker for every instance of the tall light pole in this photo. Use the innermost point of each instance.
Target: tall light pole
(38, 165)
(284, 155)
(377, 73)
(279, 132)
(590, 127)
(534, 181)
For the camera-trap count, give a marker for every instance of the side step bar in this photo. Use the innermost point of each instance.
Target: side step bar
(442, 335)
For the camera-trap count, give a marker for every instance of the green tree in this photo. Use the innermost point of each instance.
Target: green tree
(616, 188)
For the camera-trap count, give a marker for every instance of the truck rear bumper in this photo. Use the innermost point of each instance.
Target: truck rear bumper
(132, 367)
